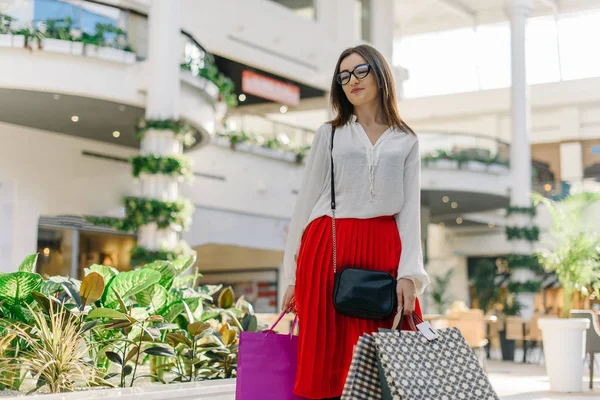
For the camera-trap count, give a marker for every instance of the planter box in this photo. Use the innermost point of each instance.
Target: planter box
(90, 50)
(220, 141)
(223, 389)
(476, 166)
(289, 156)
(498, 169)
(115, 55)
(17, 41)
(56, 46)
(244, 147)
(444, 164)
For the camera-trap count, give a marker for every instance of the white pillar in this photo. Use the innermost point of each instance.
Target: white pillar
(520, 151)
(164, 30)
(337, 18)
(520, 156)
(382, 27)
(425, 221)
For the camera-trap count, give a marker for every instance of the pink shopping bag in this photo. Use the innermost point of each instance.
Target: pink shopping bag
(267, 365)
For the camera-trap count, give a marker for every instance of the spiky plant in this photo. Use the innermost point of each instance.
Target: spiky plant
(575, 257)
(55, 351)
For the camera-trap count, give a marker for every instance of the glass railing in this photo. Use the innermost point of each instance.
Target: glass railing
(268, 133)
(462, 148)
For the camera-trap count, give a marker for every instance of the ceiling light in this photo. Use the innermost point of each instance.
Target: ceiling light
(459, 220)
(283, 109)
(56, 96)
(547, 187)
(491, 225)
(242, 97)
(116, 134)
(122, 108)
(47, 251)
(74, 118)
(454, 204)
(445, 199)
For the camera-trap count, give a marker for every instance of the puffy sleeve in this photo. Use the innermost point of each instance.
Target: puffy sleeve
(314, 178)
(409, 223)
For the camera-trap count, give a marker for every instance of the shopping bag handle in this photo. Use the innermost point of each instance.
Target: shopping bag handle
(271, 330)
(414, 317)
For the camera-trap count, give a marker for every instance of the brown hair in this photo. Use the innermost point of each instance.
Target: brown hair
(385, 81)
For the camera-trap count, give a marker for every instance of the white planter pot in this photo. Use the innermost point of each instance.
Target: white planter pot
(244, 147)
(6, 40)
(290, 157)
(90, 50)
(77, 48)
(110, 54)
(475, 166)
(220, 141)
(130, 58)
(564, 351)
(445, 164)
(159, 186)
(498, 169)
(56, 46)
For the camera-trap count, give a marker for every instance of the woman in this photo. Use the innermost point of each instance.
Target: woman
(377, 185)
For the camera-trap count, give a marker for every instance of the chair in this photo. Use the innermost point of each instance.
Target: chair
(592, 342)
(471, 324)
(533, 338)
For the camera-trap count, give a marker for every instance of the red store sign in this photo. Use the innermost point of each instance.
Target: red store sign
(270, 89)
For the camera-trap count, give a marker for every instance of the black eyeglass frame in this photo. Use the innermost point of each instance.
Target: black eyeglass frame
(340, 80)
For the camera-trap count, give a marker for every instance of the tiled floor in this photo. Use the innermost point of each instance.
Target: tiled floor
(517, 381)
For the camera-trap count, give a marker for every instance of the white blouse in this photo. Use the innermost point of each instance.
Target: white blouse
(370, 181)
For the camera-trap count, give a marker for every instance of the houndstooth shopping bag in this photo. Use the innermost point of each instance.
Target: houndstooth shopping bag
(363, 382)
(443, 369)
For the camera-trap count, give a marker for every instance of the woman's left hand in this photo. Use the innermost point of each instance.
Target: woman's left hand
(406, 291)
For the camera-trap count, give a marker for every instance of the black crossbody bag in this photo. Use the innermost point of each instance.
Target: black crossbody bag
(359, 292)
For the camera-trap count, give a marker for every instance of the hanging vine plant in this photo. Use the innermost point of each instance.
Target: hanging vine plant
(521, 210)
(181, 129)
(524, 261)
(174, 166)
(176, 214)
(531, 234)
(525, 287)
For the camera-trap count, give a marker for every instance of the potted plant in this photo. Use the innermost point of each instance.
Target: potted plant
(59, 36)
(510, 308)
(574, 259)
(440, 287)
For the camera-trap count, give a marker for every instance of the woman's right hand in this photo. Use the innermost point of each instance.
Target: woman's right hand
(288, 304)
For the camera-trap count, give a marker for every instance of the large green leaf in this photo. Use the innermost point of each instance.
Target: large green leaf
(17, 288)
(105, 313)
(174, 309)
(106, 272)
(182, 264)
(129, 284)
(155, 296)
(29, 263)
(167, 272)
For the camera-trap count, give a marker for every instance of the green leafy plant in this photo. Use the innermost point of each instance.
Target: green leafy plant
(180, 129)
(511, 306)
(531, 234)
(439, 288)
(5, 24)
(525, 287)
(484, 283)
(532, 211)
(178, 166)
(524, 261)
(574, 257)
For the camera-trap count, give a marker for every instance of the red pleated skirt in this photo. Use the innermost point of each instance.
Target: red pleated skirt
(326, 339)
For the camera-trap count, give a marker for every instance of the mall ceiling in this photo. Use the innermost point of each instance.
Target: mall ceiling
(71, 115)
(422, 16)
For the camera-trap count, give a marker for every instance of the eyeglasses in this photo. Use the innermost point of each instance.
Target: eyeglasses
(360, 72)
